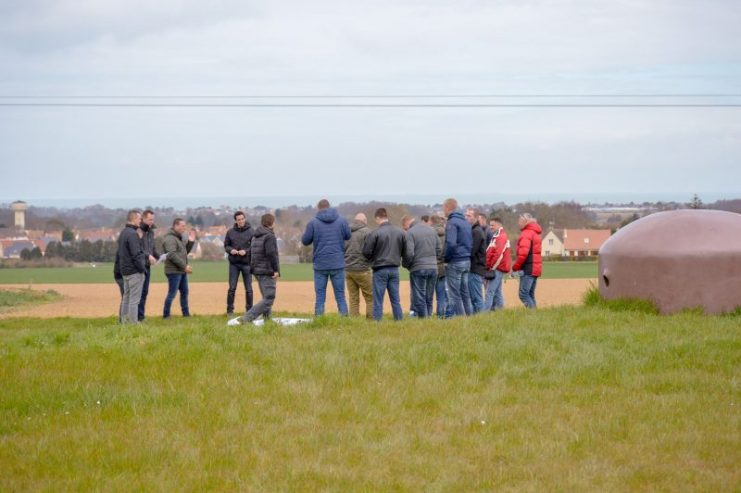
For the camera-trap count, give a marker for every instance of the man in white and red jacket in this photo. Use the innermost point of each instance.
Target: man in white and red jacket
(529, 263)
(498, 264)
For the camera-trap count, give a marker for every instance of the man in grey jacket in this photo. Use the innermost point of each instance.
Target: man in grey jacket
(357, 268)
(422, 251)
(131, 260)
(384, 247)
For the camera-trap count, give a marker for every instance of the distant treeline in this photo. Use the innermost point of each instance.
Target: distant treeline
(560, 215)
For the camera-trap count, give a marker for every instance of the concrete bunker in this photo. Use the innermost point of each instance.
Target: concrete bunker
(676, 259)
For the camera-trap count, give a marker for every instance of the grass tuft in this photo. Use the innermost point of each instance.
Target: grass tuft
(593, 298)
(18, 297)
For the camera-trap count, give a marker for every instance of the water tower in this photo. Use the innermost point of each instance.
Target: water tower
(20, 208)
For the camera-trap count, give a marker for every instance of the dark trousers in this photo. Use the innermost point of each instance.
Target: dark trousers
(442, 296)
(234, 271)
(145, 292)
(175, 283)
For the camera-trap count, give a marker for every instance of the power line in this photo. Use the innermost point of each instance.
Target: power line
(380, 96)
(373, 105)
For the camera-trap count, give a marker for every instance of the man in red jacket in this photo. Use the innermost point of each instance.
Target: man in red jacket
(498, 264)
(529, 263)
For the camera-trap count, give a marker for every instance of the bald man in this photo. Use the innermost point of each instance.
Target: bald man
(357, 268)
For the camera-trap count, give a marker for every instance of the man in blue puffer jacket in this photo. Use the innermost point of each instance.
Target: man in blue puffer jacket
(458, 243)
(328, 232)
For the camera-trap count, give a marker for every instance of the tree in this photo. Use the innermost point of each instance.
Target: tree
(696, 203)
(68, 235)
(25, 254)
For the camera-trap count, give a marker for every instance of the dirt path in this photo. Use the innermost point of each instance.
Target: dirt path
(101, 300)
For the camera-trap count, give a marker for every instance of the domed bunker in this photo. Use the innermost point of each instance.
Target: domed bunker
(677, 259)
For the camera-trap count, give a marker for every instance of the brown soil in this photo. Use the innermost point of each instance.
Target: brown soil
(101, 300)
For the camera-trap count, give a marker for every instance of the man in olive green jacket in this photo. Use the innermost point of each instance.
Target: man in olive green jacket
(357, 268)
(176, 265)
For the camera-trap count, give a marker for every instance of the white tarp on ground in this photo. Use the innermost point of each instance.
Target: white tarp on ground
(279, 320)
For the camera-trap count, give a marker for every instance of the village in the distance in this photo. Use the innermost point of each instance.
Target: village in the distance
(49, 236)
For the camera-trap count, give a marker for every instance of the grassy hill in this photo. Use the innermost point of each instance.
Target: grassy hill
(568, 399)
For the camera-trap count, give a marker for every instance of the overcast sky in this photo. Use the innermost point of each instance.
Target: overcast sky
(425, 47)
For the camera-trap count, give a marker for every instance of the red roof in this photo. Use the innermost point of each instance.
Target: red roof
(584, 239)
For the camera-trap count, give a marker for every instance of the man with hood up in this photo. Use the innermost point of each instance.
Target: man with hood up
(529, 263)
(357, 268)
(328, 232)
(237, 245)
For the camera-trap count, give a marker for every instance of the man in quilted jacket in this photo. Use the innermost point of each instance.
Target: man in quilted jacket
(529, 263)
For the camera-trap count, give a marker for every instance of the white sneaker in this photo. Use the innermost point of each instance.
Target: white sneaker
(234, 321)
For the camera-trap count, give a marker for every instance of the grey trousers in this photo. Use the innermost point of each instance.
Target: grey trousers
(132, 293)
(264, 308)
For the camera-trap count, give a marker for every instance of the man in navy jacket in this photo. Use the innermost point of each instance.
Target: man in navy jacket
(328, 233)
(458, 242)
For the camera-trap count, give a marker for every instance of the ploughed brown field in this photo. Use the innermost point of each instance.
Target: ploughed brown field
(207, 298)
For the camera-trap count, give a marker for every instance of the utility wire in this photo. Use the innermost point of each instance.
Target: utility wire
(378, 96)
(373, 105)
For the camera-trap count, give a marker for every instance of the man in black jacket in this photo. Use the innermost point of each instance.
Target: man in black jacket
(478, 261)
(131, 261)
(147, 228)
(265, 266)
(237, 245)
(384, 247)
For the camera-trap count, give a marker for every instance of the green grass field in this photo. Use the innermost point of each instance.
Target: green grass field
(218, 272)
(567, 399)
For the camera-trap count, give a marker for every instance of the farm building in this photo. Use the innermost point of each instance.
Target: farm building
(574, 242)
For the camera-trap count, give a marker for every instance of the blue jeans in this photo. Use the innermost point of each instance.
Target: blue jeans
(458, 297)
(423, 290)
(442, 296)
(234, 271)
(527, 290)
(337, 276)
(145, 292)
(175, 283)
(386, 278)
(494, 297)
(476, 290)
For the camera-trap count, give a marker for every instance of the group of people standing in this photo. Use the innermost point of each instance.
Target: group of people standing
(138, 252)
(459, 260)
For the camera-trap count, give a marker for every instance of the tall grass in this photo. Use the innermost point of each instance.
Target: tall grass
(567, 399)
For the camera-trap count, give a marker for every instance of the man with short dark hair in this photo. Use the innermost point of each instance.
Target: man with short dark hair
(328, 232)
(131, 263)
(478, 261)
(458, 242)
(265, 266)
(237, 245)
(147, 228)
(384, 247)
(421, 260)
(176, 265)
